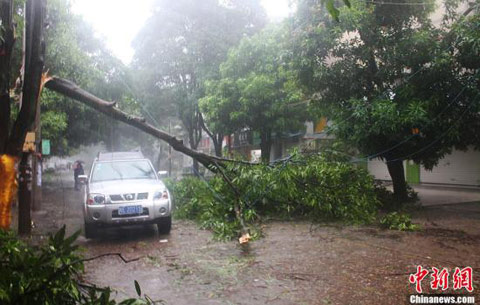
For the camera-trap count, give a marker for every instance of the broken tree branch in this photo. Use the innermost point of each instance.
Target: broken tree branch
(6, 47)
(237, 203)
(34, 63)
(126, 261)
(71, 90)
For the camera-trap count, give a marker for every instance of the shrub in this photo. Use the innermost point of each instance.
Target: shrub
(48, 274)
(398, 221)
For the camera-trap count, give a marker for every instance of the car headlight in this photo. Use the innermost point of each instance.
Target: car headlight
(160, 195)
(95, 199)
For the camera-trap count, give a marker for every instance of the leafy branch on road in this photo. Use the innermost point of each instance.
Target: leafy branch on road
(315, 187)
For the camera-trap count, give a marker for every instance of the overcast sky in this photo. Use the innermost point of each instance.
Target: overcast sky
(119, 26)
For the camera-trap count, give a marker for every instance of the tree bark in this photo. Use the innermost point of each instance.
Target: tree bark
(218, 143)
(6, 47)
(396, 171)
(217, 138)
(34, 63)
(192, 138)
(71, 90)
(265, 145)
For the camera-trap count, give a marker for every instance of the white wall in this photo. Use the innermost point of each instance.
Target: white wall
(378, 169)
(462, 168)
(457, 168)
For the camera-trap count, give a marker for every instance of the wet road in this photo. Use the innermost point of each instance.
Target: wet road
(296, 262)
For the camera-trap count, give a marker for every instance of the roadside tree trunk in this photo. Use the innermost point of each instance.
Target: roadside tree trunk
(71, 90)
(396, 171)
(11, 141)
(218, 143)
(217, 138)
(6, 48)
(265, 145)
(194, 139)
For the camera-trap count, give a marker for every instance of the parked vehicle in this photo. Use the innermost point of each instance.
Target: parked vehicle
(124, 189)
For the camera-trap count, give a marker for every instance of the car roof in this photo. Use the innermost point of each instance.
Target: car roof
(120, 155)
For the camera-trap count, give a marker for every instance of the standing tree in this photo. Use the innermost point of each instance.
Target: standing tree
(258, 89)
(390, 82)
(182, 44)
(76, 54)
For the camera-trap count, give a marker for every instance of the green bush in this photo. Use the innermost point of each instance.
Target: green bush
(398, 221)
(48, 274)
(315, 186)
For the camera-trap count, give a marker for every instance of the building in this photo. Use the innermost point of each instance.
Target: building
(460, 168)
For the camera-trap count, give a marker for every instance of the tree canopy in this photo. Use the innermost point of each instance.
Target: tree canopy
(391, 81)
(75, 53)
(182, 45)
(258, 89)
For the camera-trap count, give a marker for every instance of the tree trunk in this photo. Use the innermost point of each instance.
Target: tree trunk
(159, 157)
(217, 144)
(4, 120)
(229, 145)
(194, 140)
(265, 145)
(396, 171)
(34, 63)
(6, 47)
(217, 138)
(71, 90)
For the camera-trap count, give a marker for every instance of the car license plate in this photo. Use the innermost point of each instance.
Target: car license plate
(130, 210)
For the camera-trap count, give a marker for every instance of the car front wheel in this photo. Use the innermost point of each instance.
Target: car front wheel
(164, 225)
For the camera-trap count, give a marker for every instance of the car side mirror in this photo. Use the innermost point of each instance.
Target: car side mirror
(83, 179)
(162, 174)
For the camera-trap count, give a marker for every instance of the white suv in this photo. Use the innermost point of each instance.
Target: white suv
(123, 189)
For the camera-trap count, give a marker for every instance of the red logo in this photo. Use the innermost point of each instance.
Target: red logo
(461, 278)
(418, 277)
(439, 279)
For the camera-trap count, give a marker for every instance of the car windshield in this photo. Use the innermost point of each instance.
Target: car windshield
(122, 170)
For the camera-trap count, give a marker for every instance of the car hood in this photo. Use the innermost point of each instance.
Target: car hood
(126, 186)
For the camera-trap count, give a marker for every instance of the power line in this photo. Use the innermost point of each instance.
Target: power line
(440, 137)
(398, 3)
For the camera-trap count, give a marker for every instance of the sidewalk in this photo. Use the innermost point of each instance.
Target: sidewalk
(431, 195)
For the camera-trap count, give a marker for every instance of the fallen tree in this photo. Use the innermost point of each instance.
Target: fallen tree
(30, 87)
(71, 90)
(214, 163)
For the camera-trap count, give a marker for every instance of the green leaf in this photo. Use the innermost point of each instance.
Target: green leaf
(137, 288)
(332, 10)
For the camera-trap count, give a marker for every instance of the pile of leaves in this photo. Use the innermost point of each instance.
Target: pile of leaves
(49, 274)
(315, 187)
(398, 221)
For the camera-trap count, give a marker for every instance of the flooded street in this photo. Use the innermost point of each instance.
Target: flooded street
(295, 263)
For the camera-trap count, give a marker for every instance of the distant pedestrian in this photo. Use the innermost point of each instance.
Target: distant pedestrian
(77, 171)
